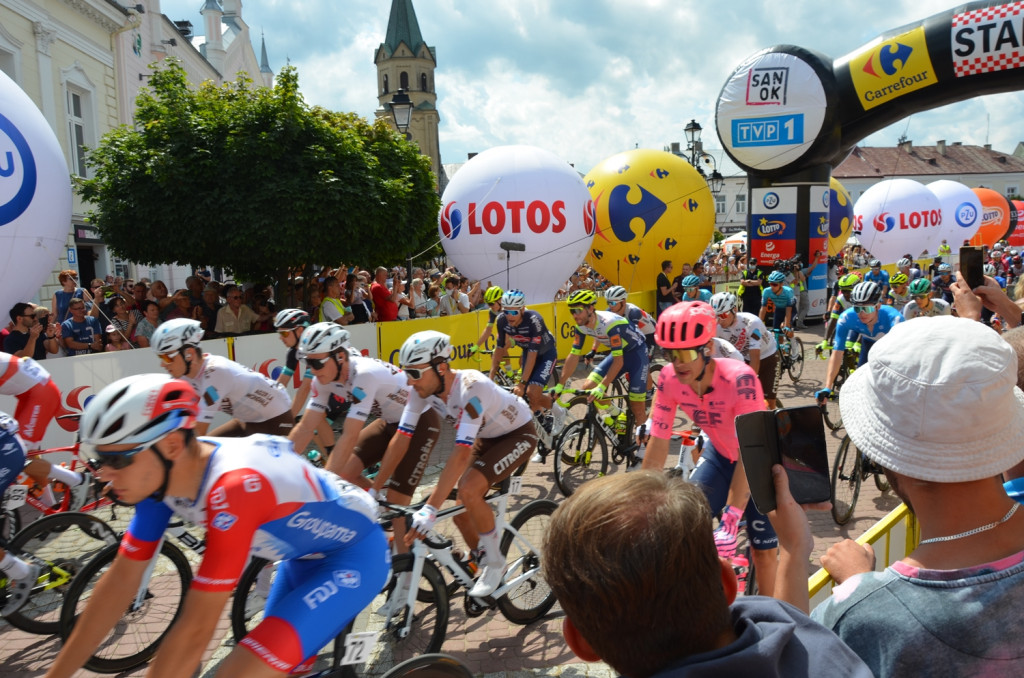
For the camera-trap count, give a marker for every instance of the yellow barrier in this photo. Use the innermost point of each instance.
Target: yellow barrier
(893, 538)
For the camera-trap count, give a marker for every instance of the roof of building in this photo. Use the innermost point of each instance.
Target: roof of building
(909, 160)
(264, 61)
(403, 27)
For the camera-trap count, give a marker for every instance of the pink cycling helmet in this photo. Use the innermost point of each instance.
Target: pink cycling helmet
(688, 324)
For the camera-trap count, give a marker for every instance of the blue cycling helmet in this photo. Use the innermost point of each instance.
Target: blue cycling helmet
(777, 277)
(690, 281)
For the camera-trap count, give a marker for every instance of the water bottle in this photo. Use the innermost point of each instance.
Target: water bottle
(620, 423)
(315, 457)
(740, 565)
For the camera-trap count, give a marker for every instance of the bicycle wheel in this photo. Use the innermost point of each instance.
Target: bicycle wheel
(434, 665)
(796, 358)
(10, 524)
(531, 598)
(429, 621)
(581, 453)
(137, 635)
(846, 478)
(250, 596)
(65, 542)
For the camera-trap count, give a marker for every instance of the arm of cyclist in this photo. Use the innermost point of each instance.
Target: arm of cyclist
(755, 358)
(531, 360)
(182, 649)
(394, 454)
(456, 465)
(111, 597)
(499, 354)
(346, 443)
(301, 395)
(613, 372)
(302, 433)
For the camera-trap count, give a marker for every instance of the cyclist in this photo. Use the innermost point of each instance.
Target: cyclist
(990, 270)
(868, 319)
(877, 275)
(899, 295)
(21, 574)
(941, 283)
(921, 303)
(628, 352)
(754, 341)
(712, 393)
(254, 497)
(637, 317)
(779, 300)
(692, 290)
(840, 302)
(906, 267)
(494, 435)
(492, 297)
(255, 403)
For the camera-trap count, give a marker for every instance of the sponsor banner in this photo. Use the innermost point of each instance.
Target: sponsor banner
(771, 110)
(773, 223)
(988, 39)
(888, 69)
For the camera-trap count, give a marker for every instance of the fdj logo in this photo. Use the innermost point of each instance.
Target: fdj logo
(17, 172)
(493, 217)
(966, 215)
(771, 200)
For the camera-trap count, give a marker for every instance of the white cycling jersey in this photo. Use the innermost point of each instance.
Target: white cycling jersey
(720, 348)
(18, 375)
(226, 386)
(373, 387)
(938, 307)
(749, 332)
(476, 406)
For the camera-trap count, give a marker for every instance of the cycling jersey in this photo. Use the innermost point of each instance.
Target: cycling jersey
(779, 300)
(882, 278)
(38, 397)
(899, 301)
(530, 335)
(257, 497)
(373, 387)
(18, 375)
(850, 325)
(841, 304)
(748, 332)
(734, 390)
(12, 452)
(476, 406)
(720, 348)
(942, 285)
(937, 307)
(640, 319)
(609, 330)
(225, 386)
(702, 295)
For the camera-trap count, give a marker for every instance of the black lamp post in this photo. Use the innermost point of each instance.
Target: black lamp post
(697, 155)
(401, 111)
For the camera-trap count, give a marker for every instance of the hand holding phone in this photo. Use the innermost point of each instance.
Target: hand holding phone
(972, 266)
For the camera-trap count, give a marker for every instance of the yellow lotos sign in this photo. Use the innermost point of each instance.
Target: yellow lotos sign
(892, 68)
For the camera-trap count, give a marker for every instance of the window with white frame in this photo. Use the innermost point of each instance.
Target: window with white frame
(741, 203)
(1012, 191)
(719, 204)
(77, 109)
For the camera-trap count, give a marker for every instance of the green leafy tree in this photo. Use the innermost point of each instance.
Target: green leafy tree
(254, 180)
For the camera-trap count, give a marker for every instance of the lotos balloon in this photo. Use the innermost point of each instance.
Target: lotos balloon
(527, 199)
(840, 216)
(895, 217)
(961, 212)
(651, 206)
(995, 217)
(35, 197)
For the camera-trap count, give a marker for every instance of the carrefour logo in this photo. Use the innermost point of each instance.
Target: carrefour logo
(966, 215)
(17, 172)
(771, 200)
(767, 228)
(451, 222)
(892, 68)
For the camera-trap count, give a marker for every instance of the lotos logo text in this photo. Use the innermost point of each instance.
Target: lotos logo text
(512, 216)
(451, 222)
(892, 68)
(589, 217)
(966, 215)
(884, 222)
(767, 228)
(17, 172)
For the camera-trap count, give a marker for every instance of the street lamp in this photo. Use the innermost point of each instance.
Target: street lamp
(697, 155)
(401, 111)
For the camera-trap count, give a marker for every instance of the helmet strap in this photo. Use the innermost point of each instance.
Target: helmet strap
(159, 494)
(439, 391)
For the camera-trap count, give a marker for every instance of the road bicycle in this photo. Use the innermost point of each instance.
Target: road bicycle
(791, 353)
(433, 665)
(62, 545)
(849, 470)
(136, 637)
(829, 405)
(581, 450)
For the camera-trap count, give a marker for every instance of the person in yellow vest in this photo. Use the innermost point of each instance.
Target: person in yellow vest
(945, 249)
(332, 308)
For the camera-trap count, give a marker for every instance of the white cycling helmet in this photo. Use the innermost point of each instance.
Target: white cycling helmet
(429, 346)
(175, 334)
(904, 262)
(723, 302)
(513, 299)
(615, 294)
(290, 319)
(989, 270)
(865, 293)
(326, 337)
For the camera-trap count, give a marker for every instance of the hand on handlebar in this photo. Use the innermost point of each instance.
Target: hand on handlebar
(595, 393)
(422, 522)
(823, 394)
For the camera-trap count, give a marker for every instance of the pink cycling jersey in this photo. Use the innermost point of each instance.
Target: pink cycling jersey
(734, 390)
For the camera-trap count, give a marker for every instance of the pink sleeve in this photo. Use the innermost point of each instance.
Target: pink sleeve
(663, 411)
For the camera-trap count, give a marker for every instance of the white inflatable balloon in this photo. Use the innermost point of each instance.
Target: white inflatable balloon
(897, 217)
(35, 197)
(961, 212)
(521, 196)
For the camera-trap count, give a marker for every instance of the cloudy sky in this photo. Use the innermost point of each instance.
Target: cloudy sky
(589, 78)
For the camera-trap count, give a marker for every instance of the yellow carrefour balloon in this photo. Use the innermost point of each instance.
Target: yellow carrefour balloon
(651, 206)
(840, 216)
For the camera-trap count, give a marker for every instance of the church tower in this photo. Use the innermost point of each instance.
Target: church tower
(404, 61)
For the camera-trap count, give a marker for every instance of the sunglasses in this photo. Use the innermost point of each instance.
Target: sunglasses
(318, 363)
(864, 309)
(921, 296)
(577, 309)
(285, 333)
(168, 358)
(725, 315)
(775, 284)
(415, 373)
(684, 355)
(511, 313)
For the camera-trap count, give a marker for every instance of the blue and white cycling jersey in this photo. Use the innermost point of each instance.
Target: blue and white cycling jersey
(882, 278)
(850, 326)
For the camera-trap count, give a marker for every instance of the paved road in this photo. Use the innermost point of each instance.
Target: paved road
(489, 644)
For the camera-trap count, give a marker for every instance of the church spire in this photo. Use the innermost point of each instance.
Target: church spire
(403, 27)
(264, 61)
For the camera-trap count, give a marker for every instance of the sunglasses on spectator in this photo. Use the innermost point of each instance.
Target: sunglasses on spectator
(29, 315)
(864, 309)
(318, 363)
(168, 358)
(684, 355)
(415, 373)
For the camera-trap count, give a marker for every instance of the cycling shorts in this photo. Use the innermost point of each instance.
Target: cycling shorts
(12, 459)
(768, 375)
(36, 409)
(373, 443)
(312, 601)
(635, 364)
(281, 425)
(714, 475)
(542, 368)
(497, 458)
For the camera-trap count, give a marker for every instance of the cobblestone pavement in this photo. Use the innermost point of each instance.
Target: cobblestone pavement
(489, 644)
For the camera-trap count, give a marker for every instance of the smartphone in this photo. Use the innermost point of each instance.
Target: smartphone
(793, 437)
(971, 266)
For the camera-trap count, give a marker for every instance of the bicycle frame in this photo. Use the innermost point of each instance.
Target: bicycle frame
(65, 502)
